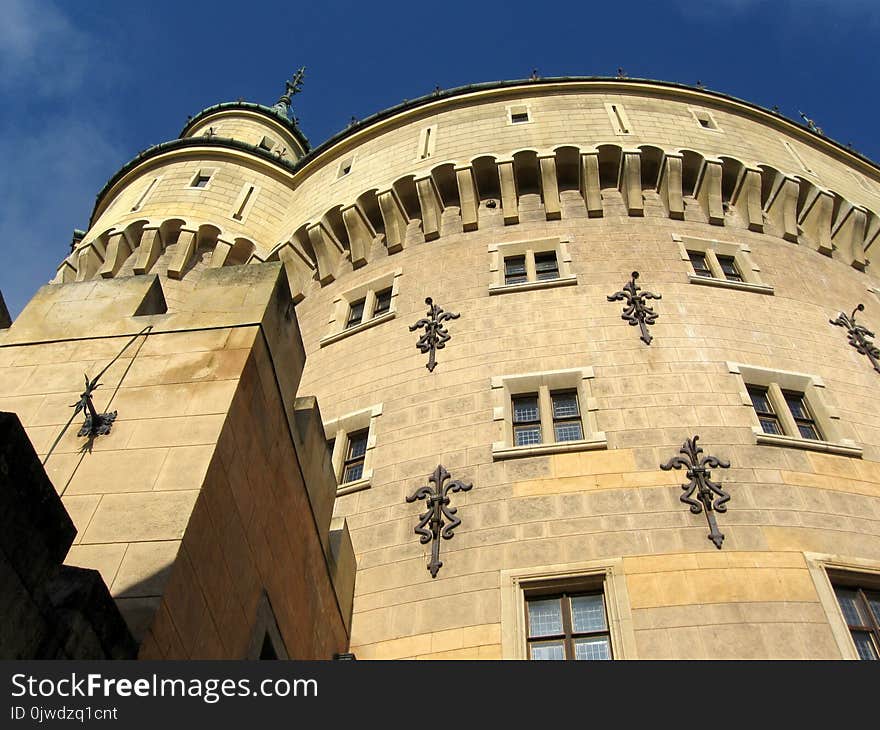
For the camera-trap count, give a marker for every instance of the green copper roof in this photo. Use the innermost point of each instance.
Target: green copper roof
(273, 112)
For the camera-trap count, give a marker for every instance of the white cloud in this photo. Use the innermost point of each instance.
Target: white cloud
(54, 157)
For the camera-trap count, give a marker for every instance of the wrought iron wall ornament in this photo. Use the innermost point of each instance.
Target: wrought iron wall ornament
(858, 336)
(96, 424)
(635, 311)
(431, 525)
(436, 335)
(711, 497)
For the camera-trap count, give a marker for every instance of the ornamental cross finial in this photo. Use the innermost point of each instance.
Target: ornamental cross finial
(432, 527)
(859, 336)
(635, 311)
(711, 497)
(291, 87)
(436, 335)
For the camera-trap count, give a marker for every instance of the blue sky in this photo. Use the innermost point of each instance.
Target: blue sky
(86, 84)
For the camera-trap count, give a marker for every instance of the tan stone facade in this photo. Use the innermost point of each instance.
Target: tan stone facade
(611, 176)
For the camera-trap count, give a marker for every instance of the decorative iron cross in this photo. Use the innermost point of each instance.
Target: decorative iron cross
(96, 424)
(858, 336)
(431, 525)
(635, 311)
(710, 496)
(436, 335)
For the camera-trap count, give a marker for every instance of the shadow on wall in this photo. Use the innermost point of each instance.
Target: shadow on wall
(50, 610)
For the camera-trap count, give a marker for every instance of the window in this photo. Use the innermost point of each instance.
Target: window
(792, 402)
(619, 121)
(344, 167)
(567, 611)
(526, 420)
(351, 440)
(717, 263)
(525, 265)
(355, 313)
(243, 204)
(698, 261)
(766, 415)
(729, 268)
(142, 199)
(427, 141)
(353, 466)
(201, 179)
(383, 302)
(705, 119)
(790, 410)
(566, 416)
(363, 307)
(544, 413)
(568, 626)
(518, 114)
(267, 143)
(861, 611)
(546, 266)
(515, 270)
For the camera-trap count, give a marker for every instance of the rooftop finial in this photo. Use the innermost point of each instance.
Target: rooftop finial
(811, 125)
(292, 86)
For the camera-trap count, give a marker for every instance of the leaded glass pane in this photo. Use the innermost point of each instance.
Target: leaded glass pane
(569, 431)
(515, 269)
(588, 613)
(795, 402)
(874, 603)
(698, 261)
(525, 409)
(728, 266)
(357, 445)
(545, 617)
(565, 405)
(353, 472)
(383, 302)
(594, 648)
(527, 435)
(808, 431)
(547, 651)
(770, 425)
(865, 645)
(760, 401)
(355, 313)
(851, 607)
(546, 266)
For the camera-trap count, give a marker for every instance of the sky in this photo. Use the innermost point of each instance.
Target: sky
(86, 84)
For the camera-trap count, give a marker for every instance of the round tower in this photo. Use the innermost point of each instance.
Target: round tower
(649, 402)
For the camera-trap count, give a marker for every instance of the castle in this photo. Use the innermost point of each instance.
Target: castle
(563, 368)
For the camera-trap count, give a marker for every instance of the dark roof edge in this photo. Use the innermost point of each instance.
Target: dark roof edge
(312, 153)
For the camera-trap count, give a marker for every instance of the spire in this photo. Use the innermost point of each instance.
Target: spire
(293, 86)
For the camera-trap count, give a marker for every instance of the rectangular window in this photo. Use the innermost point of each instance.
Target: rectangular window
(570, 626)
(698, 261)
(728, 266)
(861, 610)
(355, 313)
(546, 266)
(566, 416)
(515, 270)
(806, 424)
(353, 466)
(766, 415)
(200, 181)
(526, 420)
(518, 114)
(383, 302)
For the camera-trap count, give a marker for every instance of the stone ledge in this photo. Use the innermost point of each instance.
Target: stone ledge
(828, 447)
(596, 442)
(724, 284)
(530, 285)
(336, 336)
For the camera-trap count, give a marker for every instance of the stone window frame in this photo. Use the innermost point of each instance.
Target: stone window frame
(500, 251)
(619, 119)
(504, 387)
(208, 172)
(367, 291)
(348, 161)
(711, 248)
(698, 113)
(812, 386)
(519, 109)
(605, 573)
(822, 567)
(244, 203)
(338, 429)
(427, 143)
(146, 194)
